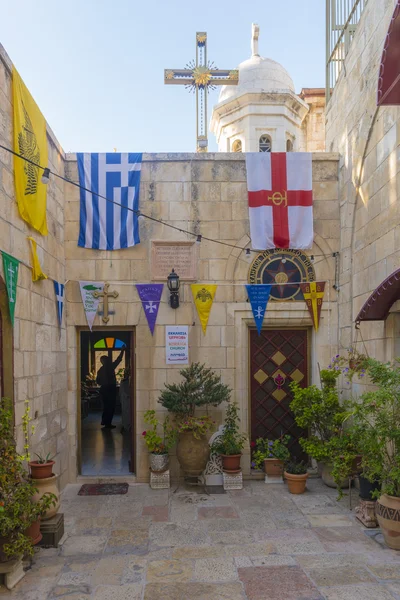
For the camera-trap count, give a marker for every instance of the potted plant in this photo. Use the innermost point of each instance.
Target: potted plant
(271, 455)
(231, 442)
(376, 418)
(320, 411)
(296, 476)
(19, 515)
(353, 363)
(42, 468)
(45, 485)
(158, 445)
(200, 388)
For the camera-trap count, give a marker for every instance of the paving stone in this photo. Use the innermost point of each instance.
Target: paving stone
(122, 592)
(385, 571)
(341, 576)
(250, 549)
(226, 524)
(186, 513)
(264, 561)
(157, 513)
(70, 593)
(215, 569)
(125, 537)
(394, 588)
(279, 583)
(189, 552)
(327, 560)
(344, 539)
(330, 521)
(217, 512)
(310, 504)
(232, 537)
(72, 578)
(84, 544)
(353, 592)
(193, 591)
(172, 534)
(169, 570)
(88, 525)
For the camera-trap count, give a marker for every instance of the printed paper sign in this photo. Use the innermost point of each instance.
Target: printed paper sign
(177, 344)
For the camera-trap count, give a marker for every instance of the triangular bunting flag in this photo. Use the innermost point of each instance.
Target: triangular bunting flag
(258, 296)
(313, 293)
(203, 296)
(90, 303)
(10, 266)
(37, 273)
(59, 291)
(150, 295)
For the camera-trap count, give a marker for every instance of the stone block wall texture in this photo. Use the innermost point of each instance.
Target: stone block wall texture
(367, 139)
(38, 346)
(206, 194)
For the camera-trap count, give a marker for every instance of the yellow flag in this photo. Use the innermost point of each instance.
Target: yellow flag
(29, 141)
(37, 273)
(203, 296)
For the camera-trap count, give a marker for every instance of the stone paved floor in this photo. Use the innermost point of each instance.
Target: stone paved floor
(260, 543)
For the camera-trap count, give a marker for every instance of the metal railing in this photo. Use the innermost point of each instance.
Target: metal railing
(342, 17)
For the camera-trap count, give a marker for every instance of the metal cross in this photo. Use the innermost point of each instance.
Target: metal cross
(105, 294)
(198, 77)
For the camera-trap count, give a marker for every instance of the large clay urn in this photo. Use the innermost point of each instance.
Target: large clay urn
(192, 453)
(328, 480)
(388, 515)
(44, 486)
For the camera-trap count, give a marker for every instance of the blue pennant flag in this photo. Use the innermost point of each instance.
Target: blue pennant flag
(59, 291)
(258, 296)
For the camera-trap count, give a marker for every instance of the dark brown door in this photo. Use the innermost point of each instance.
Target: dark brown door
(277, 357)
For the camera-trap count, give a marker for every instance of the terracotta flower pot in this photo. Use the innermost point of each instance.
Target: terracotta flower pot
(41, 471)
(33, 532)
(44, 486)
(273, 467)
(231, 463)
(159, 462)
(296, 483)
(192, 453)
(388, 515)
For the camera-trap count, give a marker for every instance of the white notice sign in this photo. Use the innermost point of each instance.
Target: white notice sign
(177, 344)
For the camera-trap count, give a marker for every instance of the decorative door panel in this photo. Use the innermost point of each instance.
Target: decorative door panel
(277, 357)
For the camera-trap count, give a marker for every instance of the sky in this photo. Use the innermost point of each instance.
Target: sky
(96, 67)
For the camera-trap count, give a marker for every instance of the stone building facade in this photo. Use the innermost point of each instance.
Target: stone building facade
(367, 138)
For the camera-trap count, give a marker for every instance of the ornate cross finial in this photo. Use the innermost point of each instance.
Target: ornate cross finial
(255, 32)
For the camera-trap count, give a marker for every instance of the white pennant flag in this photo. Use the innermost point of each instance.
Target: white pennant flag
(90, 303)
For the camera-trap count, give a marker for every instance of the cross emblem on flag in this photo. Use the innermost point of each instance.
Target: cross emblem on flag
(280, 199)
(151, 307)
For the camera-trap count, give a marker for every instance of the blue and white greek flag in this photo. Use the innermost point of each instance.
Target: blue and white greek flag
(59, 291)
(116, 176)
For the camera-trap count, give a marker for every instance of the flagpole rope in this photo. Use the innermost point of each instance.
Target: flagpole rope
(138, 212)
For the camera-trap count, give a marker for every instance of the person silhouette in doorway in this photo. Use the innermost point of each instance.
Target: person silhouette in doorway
(107, 381)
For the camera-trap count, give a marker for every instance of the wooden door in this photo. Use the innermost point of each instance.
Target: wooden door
(277, 357)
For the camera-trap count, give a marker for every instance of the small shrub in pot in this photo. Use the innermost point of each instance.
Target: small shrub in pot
(231, 442)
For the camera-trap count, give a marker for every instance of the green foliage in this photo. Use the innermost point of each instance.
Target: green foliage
(17, 511)
(353, 363)
(156, 443)
(376, 421)
(198, 426)
(201, 388)
(294, 467)
(42, 460)
(231, 441)
(271, 449)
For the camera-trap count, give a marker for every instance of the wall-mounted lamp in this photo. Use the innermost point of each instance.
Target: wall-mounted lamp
(173, 286)
(46, 176)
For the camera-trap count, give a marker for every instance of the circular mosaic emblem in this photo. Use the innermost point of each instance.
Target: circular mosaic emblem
(285, 267)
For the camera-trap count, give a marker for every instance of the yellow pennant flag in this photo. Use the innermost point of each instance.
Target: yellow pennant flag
(203, 296)
(37, 273)
(29, 141)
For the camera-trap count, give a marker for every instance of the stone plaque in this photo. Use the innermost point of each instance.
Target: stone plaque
(180, 256)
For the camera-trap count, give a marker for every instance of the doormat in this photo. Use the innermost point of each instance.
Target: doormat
(103, 489)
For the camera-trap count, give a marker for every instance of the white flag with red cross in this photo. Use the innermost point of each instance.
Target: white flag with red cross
(280, 199)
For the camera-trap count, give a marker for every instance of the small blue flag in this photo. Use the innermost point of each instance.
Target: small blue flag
(258, 296)
(59, 291)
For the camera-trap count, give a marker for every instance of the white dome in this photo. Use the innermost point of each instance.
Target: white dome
(258, 74)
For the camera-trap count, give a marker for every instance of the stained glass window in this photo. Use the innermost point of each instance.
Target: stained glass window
(109, 343)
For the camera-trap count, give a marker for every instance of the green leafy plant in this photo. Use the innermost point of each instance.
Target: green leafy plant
(271, 449)
(198, 426)
(350, 364)
(376, 423)
(156, 443)
(201, 387)
(42, 460)
(296, 468)
(231, 441)
(17, 511)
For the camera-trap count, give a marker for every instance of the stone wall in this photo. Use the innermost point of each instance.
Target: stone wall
(206, 194)
(368, 141)
(39, 358)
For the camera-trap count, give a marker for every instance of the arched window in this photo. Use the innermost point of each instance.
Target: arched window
(237, 146)
(265, 144)
(289, 146)
(110, 343)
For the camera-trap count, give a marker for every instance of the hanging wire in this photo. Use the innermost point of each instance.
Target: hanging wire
(137, 212)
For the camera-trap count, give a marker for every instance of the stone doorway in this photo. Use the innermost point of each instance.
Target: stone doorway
(106, 411)
(277, 357)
